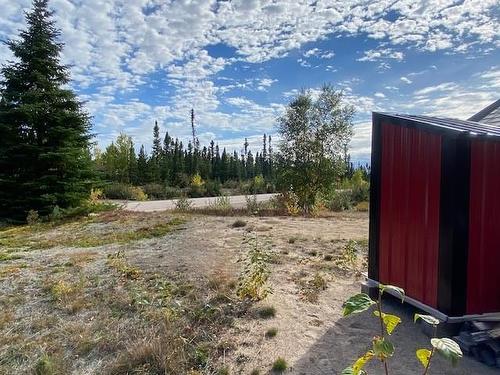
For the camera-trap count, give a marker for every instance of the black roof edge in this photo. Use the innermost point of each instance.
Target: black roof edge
(485, 111)
(447, 124)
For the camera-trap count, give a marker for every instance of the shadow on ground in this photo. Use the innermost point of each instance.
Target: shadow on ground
(350, 338)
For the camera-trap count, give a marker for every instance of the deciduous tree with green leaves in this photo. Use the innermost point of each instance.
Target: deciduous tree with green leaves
(382, 348)
(314, 132)
(44, 131)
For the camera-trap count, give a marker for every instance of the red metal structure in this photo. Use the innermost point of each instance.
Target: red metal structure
(435, 212)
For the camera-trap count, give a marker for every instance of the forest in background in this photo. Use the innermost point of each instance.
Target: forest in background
(172, 169)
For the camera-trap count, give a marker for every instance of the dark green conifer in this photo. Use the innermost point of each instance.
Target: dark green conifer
(44, 132)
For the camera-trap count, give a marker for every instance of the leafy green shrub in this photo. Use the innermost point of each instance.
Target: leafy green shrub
(339, 201)
(258, 185)
(155, 191)
(286, 203)
(382, 348)
(117, 190)
(32, 218)
(360, 193)
(253, 280)
(172, 192)
(137, 194)
(360, 187)
(212, 188)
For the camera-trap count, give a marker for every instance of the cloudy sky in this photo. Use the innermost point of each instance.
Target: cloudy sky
(238, 62)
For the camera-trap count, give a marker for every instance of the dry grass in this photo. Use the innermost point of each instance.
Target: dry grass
(80, 233)
(144, 303)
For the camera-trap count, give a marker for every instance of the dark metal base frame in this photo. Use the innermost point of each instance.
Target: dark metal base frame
(436, 313)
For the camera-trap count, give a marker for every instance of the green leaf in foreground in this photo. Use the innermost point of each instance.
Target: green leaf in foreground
(423, 356)
(358, 303)
(382, 348)
(395, 289)
(350, 371)
(426, 318)
(448, 348)
(390, 321)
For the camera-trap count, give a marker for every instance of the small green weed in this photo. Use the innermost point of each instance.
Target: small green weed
(253, 280)
(266, 312)
(271, 332)
(280, 365)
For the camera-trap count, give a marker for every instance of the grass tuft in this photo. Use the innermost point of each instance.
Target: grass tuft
(271, 332)
(6, 257)
(239, 223)
(266, 312)
(280, 365)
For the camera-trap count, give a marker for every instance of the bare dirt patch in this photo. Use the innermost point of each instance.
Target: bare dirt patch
(166, 302)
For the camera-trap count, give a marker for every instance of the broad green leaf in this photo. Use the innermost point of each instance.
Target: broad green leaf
(390, 321)
(423, 356)
(357, 367)
(448, 349)
(426, 318)
(396, 289)
(349, 371)
(358, 303)
(382, 348)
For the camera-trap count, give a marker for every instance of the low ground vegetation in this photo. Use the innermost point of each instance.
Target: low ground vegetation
(169, 299)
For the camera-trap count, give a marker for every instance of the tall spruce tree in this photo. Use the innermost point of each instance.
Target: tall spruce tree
(44, 132)
(142, 166)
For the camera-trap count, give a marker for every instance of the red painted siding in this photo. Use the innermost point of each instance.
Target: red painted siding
(409, 211)
(483, 282)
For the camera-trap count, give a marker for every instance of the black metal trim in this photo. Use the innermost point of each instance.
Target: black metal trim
(485, 111)
(375, 180)
(454, 225)
(422, 125)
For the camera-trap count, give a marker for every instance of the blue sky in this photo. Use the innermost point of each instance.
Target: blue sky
(238, 63)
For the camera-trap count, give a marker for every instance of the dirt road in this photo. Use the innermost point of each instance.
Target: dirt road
(237, 201)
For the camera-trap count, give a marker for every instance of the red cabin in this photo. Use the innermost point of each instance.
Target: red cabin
(435, 212)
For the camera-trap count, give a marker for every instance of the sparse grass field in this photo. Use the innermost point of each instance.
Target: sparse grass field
(158, 293)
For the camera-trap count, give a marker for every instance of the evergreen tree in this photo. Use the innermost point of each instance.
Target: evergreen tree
(156, 155)
(157, 150)
(142, 166)
(44, 132)
(132, 165)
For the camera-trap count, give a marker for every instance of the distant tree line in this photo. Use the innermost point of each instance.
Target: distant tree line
(45, 140)
(173, 164)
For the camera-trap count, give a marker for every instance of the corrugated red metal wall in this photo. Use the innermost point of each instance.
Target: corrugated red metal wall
(409, 210)
(483, 274)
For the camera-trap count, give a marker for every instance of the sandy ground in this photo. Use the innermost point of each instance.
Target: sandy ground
(311, 335)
